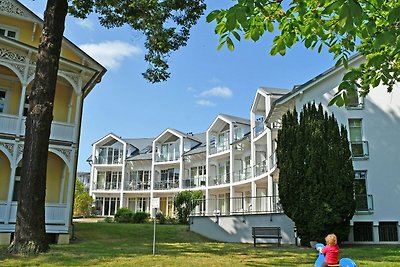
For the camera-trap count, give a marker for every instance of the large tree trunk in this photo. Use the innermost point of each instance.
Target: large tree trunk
(30, 234)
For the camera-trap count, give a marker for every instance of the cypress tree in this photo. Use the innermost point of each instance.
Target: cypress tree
(316, 177)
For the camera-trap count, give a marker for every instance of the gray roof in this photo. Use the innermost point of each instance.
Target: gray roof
(235, 119)
(140, 143)
(274, 91)
(147, 156)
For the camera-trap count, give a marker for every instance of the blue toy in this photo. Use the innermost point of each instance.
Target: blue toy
(344, 262)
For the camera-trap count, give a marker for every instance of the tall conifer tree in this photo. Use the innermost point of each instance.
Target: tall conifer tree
(316, 179)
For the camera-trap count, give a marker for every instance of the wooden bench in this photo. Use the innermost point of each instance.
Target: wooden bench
(267, 232)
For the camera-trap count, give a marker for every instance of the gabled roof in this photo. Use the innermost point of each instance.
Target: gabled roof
(139, 143)
(234, 119)
(107, 136)
(14, 8)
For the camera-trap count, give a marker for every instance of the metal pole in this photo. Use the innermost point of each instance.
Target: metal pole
(154, 232)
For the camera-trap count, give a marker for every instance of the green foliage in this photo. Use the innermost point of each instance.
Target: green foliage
(161, 218)
(123, 215)
(368, 27)
(185, 202)
(108, 219)
(140, 217)
(166, 25)
(83, 201)
(316, 177)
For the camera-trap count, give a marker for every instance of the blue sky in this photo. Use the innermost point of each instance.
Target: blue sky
(204, 82)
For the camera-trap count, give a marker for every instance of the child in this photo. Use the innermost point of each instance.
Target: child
(331, 251)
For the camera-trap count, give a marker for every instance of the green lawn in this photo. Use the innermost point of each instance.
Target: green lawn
(103, 244)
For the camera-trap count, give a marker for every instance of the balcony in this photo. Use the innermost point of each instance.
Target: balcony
(258, 129)
(59, 130)
(166, 185)
(219, 147)
(240, 205)
(194, 182)
(359, 149)
(136, 186)
(260, 168)
(272, 161)
(107, 161)
(168, 157)
(54, 213)
(242, 175)
(219, 179)
(8, 124)
(364, 203)
(112, 186)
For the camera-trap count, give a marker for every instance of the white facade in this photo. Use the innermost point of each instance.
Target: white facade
(234, 162)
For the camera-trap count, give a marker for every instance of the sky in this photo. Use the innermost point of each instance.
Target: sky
(204, 82)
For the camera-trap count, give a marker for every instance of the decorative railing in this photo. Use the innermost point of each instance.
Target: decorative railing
(165, 185)
(240, 205)
(364, 203)
(359, 149)
(59, 131)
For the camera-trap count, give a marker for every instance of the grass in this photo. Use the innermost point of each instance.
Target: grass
(102, 244)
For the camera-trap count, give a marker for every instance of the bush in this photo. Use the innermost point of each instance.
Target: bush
(108, 219)
(140, 217)
(161, 218)
(123, 215)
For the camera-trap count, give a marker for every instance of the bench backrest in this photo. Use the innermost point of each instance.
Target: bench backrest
(270, 231)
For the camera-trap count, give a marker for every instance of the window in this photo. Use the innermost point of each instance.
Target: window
(2, 100)
(354, 101)
(388, 231)
(109, 180)
(359, 148)
(360, 190)
(26, 105)
(8, 32)
(17, 181)
(363, 231)
(110, 155)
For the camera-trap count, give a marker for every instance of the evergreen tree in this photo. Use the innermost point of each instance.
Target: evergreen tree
(316, 178)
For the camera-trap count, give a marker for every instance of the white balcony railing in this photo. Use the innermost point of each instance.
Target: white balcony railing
(3, 206)
(8, 123)
(54, 213)
(59, 130)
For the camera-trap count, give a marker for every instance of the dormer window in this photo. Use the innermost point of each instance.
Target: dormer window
(8, 32)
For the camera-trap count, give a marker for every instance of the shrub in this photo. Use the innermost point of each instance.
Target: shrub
(123, 215)
(140, 217)
(108, 219)
(161, 218)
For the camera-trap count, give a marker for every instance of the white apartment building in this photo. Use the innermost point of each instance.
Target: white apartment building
(234, 162)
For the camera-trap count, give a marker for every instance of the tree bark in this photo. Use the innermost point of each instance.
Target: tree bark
(30, 233)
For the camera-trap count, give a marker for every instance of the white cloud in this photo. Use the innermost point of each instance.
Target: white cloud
(86, 24)
(220, 91)
(205, 103)
(111, 53)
